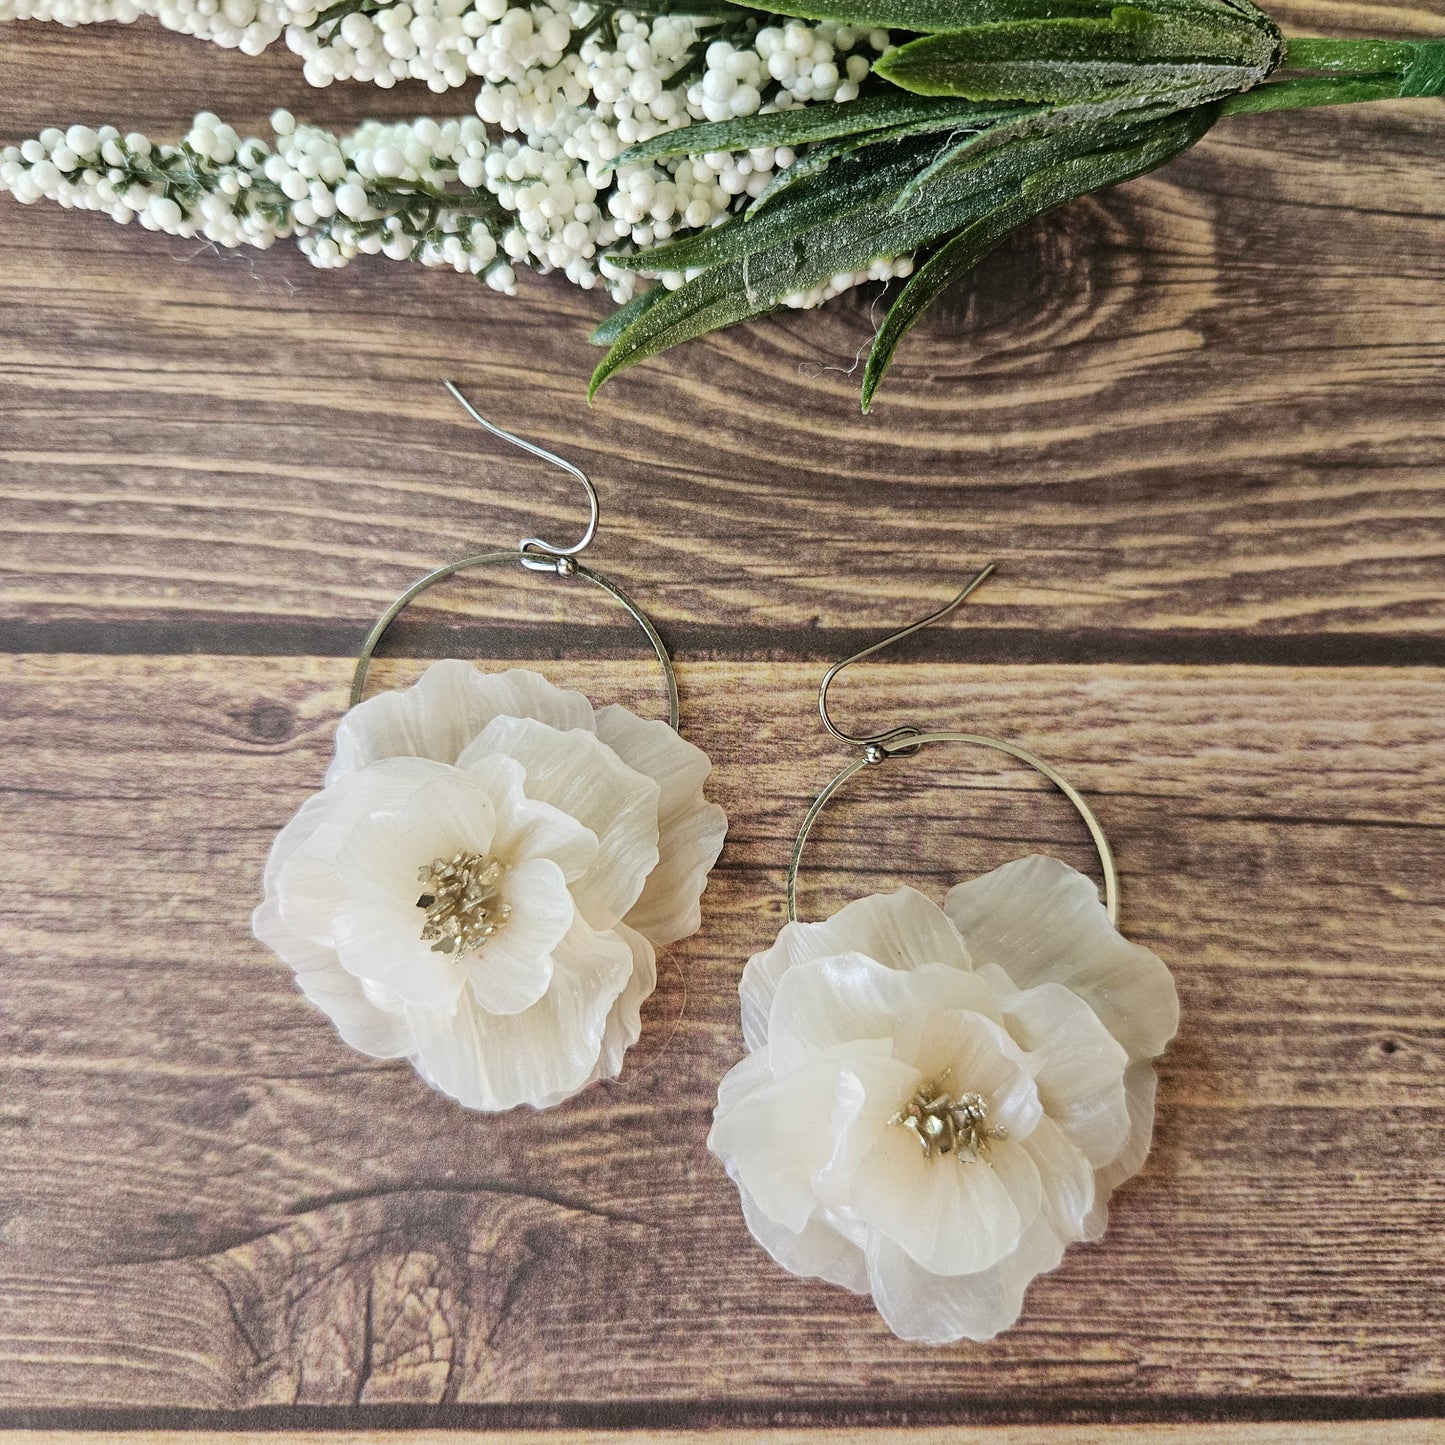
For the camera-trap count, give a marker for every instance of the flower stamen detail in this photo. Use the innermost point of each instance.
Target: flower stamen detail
(462, 896)
(945, 1124)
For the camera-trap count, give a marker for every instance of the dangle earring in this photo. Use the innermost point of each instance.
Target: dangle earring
(481, 883)
(936, 1101)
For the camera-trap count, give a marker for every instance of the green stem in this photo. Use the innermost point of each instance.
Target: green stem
(1309, 92)
(1353, 70)
(1361, 57)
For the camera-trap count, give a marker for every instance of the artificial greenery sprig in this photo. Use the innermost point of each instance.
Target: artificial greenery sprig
(530, 180)
(983, 115)
(741, 159)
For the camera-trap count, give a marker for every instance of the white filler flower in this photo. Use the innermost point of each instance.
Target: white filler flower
(936, 1103)
(480, 885)
(531, 180)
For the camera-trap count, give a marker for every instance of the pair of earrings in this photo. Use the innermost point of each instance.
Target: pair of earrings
(934, 1101)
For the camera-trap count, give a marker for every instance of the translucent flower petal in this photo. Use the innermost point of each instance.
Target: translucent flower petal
(670, 905)
(831, 1001)
(1079, 1069)
(381, 857)
(624, 1021)
(308, 818)
(309, 894)
(901, 930)
(937, 1309)
(1068, 1179)
(967, 1052)
(690, 829)
(360, 1023)
(365, 1027)
(750, 1073)
(448, 706)
(1042, 922)
(818, 1250)
(301, 870)
(379, 942)
(294, 951)
(776, 1138)
(513, 968)
(952, 1216)
(871, 1086)
(1140, 1084)
(583, 777)
(528, 828)
(540, 1056)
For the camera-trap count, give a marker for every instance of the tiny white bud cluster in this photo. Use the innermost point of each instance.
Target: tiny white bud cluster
(884, 269)
(566, 123)
(247, 25)
(383, 190)
(532, 179)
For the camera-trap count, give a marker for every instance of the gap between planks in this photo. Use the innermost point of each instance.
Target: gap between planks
(1371, 1432)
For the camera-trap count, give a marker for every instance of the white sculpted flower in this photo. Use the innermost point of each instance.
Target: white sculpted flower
(480, 884)
(936, 1103)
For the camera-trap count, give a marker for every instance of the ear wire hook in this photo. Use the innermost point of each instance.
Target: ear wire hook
(536, 555)
(539, 555)
(877, 745)
(907, 740)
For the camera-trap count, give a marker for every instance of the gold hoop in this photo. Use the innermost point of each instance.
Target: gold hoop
(564, 567)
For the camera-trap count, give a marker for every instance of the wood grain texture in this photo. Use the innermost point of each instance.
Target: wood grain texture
(285, 1222)
(1181, 410)
(1199, 421)
(1374, 1432)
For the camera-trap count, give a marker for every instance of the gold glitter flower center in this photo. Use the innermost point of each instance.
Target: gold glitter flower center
(462, 896)
(947, 1124)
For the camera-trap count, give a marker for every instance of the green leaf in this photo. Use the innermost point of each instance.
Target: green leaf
(614, 325)
(828, 131)
(1038, 192)
(1425, 75)
(709, 302)
(807, 123)
(863, 179)
(756, 282)
(1360, 57)
(1134, 50)
(867, 179)
(941, 17)
(693, 9)
(816, 159)
(1044, 120)
(1407, 69)
(339, 11)
(837, 228)
(917, 16)
(1310, 92)
(1067, 82)
(820, 156)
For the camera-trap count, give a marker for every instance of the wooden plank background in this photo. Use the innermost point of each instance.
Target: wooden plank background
(1406, 1432)
(1198, 421)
